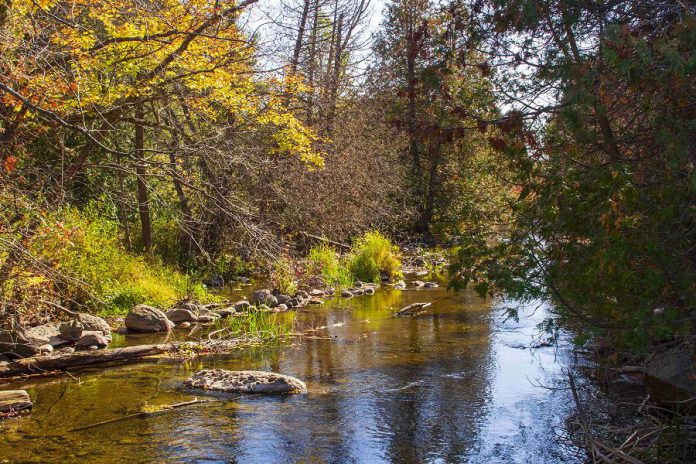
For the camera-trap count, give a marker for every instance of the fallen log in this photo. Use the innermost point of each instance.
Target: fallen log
(412, 309)
(43, 364)
(14, 401)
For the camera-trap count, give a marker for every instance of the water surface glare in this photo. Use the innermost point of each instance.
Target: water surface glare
(457, 384)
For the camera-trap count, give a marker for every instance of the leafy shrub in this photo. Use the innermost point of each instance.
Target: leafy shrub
(372, 254)
(325, 261)
(283, 276)
(94, 269)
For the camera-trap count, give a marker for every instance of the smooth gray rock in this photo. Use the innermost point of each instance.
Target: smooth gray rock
(281, 307)
(264, 296)
(245, 382)
(400, 285)
(227, 312)
(242, 306)
(369, 291)
(71, 330)
(181, 315)
(283, 299)
(144, 318)
(431, 285)
(17, 344)
(94, 323)
(346, 294)
(92, 338)
(419, 283)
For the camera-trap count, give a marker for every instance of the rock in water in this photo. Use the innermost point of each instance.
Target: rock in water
(92, 338)
(94, 324)
(144, 318)
(264, 297)
(181, 315)
(346, 294)
(12, 401)
(245, 382)
(242, 306)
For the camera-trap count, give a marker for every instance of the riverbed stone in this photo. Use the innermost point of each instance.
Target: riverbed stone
(282, 307)
(16, 344)
(144, 318)
(92, 338)
(316, 292)
(242, 306)
(283, 299)
(431, 285)
(264, 296)
(71, 330)
(12, 401)
(227, 312)
(346, 294)
(419, 283)
(293, 302)
(179, 315)
(41, 334)
(315, 301)
(369, 290)
(400, 285)
(94, 323)
(245, 382)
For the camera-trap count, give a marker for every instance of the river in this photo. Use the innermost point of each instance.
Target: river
(456, 384)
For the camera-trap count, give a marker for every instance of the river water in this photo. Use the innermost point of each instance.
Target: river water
(456, 384)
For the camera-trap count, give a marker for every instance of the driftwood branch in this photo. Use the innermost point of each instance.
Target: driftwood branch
(412, 309)
(143, 414)
(41, 364)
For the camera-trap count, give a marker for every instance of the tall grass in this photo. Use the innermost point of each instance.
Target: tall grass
(98, 273)
(373, 254)
(369, 257)
(325, 261)
(259, 325)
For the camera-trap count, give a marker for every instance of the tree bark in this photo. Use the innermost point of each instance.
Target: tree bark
(300, 35)
(141, 171)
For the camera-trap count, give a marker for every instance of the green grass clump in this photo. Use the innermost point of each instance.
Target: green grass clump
(98, 273)
(325, 261)
(259, 324)
(283, 276)
(372, 254)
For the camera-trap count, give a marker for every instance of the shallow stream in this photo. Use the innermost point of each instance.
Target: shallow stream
(456, 384)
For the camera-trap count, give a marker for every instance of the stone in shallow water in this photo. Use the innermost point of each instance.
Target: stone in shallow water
(245, 382)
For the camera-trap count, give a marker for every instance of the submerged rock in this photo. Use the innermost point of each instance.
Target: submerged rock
(419, 283)
(245, 382)
(369, 291)
(431, 285)
(400, 285)
(346, 294)
(144, 318)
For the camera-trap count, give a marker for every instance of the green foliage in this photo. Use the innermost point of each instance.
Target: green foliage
(283, 276)
(94, 269)
(372, 254)
(325, 261)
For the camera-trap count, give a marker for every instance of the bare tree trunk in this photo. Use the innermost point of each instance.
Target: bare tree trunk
(335, 77)
(312, 63)
(300, 36)
(143, 197)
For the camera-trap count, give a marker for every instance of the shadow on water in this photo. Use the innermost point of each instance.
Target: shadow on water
(453, 385)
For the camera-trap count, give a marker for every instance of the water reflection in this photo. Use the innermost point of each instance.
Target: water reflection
(454, 385)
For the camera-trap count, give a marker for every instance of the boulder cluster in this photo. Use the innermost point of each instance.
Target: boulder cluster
(82, 332)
